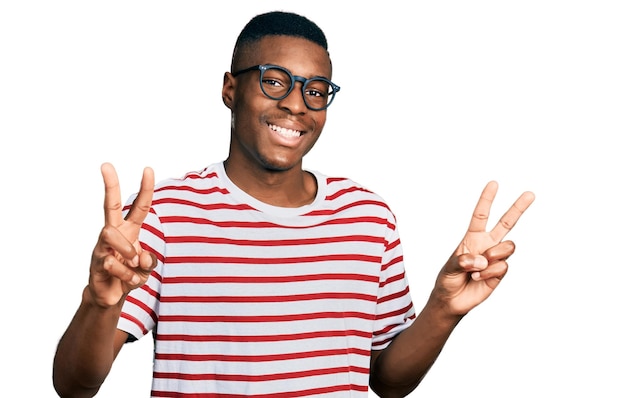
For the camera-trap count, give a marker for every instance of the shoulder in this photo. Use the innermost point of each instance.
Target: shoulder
(338, 186)
(345, 192)
(207, 175)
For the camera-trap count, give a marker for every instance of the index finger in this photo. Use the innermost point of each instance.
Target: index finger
(509, 219)
(142, 203)
(483, 207)
(112, 196)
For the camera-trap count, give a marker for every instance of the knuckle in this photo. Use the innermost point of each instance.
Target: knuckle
(507, 224)
(109, 262)
(127, 275)
(106, 232)
(481, 216)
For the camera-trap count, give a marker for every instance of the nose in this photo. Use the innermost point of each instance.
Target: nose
(294, 102)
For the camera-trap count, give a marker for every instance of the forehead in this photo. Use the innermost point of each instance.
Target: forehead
(301, 56)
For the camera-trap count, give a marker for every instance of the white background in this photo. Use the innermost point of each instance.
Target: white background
(437, 99)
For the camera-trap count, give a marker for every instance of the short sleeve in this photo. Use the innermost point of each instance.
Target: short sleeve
(394, 308)
(139, 312)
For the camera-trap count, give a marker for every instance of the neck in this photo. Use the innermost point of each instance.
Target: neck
(285, 188)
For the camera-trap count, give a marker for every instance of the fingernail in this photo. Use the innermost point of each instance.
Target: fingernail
(135, 261)
(135, 280)
(481, 261)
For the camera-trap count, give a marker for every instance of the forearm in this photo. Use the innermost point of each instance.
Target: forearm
(398, 369)
(86, 351)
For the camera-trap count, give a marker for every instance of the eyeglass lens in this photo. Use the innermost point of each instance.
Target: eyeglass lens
(277, 83)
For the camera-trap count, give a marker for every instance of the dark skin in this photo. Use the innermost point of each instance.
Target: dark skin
(468, 278)
(269, 140)
(262, 162)
(91, 342)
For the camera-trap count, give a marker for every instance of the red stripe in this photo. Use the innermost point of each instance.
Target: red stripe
(393, 245)
(246, 224)
(152, 230)
(257, 378)
(335, 179)
(135, 321)
(394, 278)
(267, 299)
(393, 261)
(191, 189)
(260, 358)
(197, 175)
(149, 290)
(263, 338)
(346, 207)
(148, 248)
(390, 338)
(392, 314)
(257, 260)
(394, 295)
(212, 206)
(345, 191)
(287, 394)
(282, 242)
(144, 307)
(266, 318)
(270, 279)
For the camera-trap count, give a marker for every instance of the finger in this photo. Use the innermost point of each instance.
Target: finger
(112, 196)
(483, 207)
(114, 241)
(472, 262)
(495, 272)
(510, 218)
(501, 251)
(142, 203)
(120, 271)
(147, 261)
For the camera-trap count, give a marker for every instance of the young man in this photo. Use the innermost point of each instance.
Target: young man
(259, 278)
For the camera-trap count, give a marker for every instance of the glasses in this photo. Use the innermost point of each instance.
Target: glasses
(277, 83)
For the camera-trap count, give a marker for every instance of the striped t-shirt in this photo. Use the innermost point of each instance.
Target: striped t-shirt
(253, 300)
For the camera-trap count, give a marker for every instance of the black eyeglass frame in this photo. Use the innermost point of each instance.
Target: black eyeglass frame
(294, 79)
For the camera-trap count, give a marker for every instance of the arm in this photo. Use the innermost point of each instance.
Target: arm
(87, 349)
(470, 275)
(91, 342)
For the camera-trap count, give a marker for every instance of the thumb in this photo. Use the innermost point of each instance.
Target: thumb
(465, 263)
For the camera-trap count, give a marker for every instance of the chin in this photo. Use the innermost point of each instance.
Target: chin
(278, 168)
(278, 165)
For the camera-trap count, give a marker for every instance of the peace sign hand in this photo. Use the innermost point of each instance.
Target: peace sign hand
(118, 263)
(479, 262)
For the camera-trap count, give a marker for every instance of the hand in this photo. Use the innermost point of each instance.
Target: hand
(479, 262)
(118, 264)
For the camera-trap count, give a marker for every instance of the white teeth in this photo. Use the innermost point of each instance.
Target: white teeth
(288, 133)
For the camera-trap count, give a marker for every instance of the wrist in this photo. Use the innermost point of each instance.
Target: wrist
(439, 310)
(90, 299)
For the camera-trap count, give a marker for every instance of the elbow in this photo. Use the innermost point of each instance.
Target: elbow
(391, 386)
(66, 389)
(389, 390)
(68, 385)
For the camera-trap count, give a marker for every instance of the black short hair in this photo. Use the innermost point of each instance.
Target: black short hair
(277, 23)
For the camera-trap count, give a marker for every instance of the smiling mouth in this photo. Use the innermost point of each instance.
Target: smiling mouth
(287, 133)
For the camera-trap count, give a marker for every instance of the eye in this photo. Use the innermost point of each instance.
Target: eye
(276, 79)
(317, 88)
(315, 93)
(273, 82)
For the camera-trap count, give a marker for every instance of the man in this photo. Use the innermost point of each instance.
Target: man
(259, 278)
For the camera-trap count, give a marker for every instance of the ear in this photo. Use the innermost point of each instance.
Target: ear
(228, 90)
